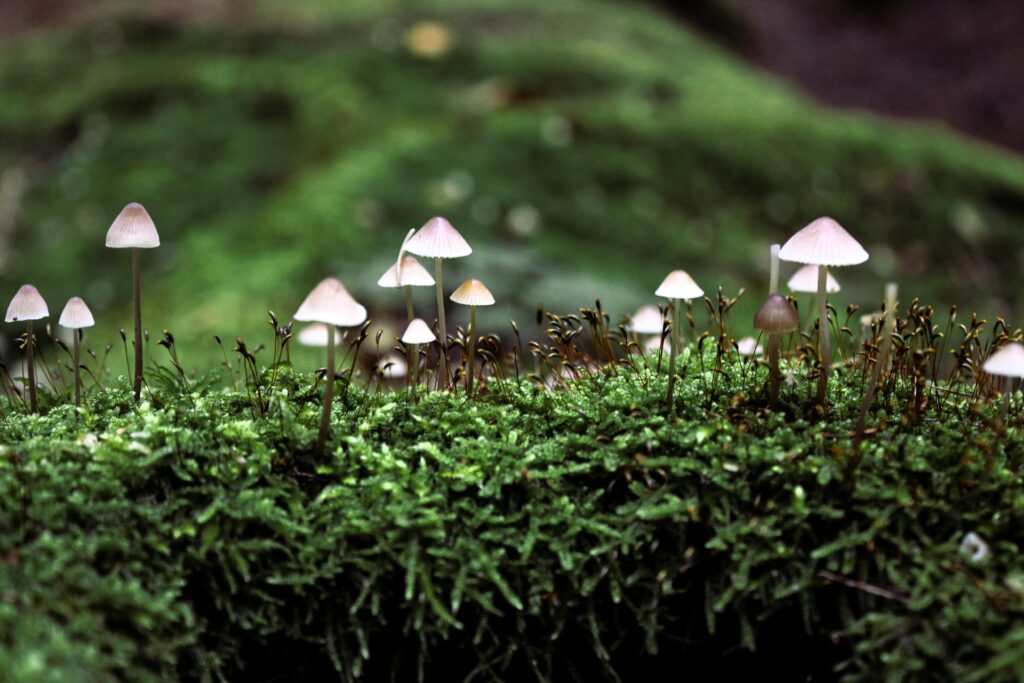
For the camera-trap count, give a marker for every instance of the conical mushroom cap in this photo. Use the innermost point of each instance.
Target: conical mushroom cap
(413, 274)
(1008, 361)
(825, 243)
(330, 303)
(806, 280)
(315, 334)
(776, 316)
(472, 292)
(438, 239)
(647, 320)
(418, 332)
(76, 315)
(679, 285)
(27, 304)
(133, 228)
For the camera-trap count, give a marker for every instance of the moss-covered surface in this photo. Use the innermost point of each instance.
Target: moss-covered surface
(569, 141)
(574, 533)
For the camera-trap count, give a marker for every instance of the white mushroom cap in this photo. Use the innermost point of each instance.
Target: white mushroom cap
(1008, 361)
(413, 274)
(27, 304)
(393, 366)
(330, 303)
(825, 243)
(472, 292)
(647, 320)
(418, 332)
(76, 315)
(133, 228)
(679, 285)
(315, 334)
(748, 346)
(438, 239)
(806, 280)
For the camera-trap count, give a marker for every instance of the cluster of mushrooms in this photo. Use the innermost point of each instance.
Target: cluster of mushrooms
(821, 245)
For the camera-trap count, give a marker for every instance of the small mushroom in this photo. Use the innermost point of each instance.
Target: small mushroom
(677, 285)
(315, 335)
(331, 304)
(1007, 362)
(472, 293)
(417, 333)
(823, 243)
(805, 279)
(406, 273)
(775, 317)
(646, 321)
(437, 239)
(134, 229)
(76, 316)
(28, 305)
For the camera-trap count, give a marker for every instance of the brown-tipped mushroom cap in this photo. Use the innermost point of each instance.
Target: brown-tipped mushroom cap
(806, 280)
(776, 316)
(418, 332)
(76, 315)
(1008, 361)
(413, 275)
(438, 239)
(133, 228)
(330, 303)
(679, 285)
(27, 304)
(647, 320)
(472, 292)
(825, 243)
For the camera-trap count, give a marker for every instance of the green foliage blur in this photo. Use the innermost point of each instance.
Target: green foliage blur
(584, 149)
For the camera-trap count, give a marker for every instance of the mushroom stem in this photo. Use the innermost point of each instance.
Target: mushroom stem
(677, 339)
(415, 371)
(30, 360)
(773, 282)
(672, 358)
(823, 336)
(408, 302)
(1004, 409)
(472, 347)
(137, 313)
(325, 419)
(774, 374)
(77, 360)
(442, 339)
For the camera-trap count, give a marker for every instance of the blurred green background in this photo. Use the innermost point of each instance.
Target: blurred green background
(584, 148)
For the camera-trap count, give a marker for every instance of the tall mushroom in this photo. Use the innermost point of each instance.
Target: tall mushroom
(472, 293)
(418, 332)
(1007, 362)
(437, 239)
(823, 243)
(76, 316)
(134, 229)
(406, 273)
(677, 285)
(331, 304)
(28, 305)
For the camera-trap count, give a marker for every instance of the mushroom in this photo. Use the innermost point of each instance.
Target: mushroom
(28, 305)
(1007, 362)
(646, 321)
(748, 346)
(76, 316)
(806, 280)
(472, 293)
(408, 273)
(393, 366)
(315, 334)
(775, 317)
(331, 304)
(677, 285)
(437, 239)
(134, 229)
(418, 332)
(823, 243)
